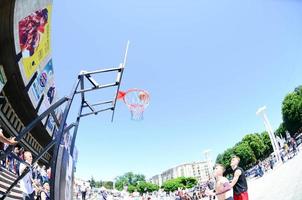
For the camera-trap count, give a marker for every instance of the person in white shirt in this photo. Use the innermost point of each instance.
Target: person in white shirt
(26, 183)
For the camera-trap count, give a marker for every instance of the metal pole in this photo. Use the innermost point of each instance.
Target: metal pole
(75, 131)
(268, 127)
(32, 125)
(58, 138)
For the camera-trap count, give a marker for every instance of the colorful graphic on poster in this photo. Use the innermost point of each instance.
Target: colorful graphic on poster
(34, 39)
(50, 125)
(43, 85)
(43, 93)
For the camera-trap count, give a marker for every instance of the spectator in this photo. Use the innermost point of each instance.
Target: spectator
(271, 162)
(21, 153)
(44, 174)
(45, 195)
(83, 191)
(48, 173)
(26, 183)
(15, 162)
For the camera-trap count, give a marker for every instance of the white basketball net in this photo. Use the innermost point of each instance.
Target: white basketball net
(137, 101)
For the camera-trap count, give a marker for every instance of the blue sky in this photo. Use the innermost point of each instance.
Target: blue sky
(208, 65)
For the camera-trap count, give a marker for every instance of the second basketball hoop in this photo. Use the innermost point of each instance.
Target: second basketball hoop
(137, 100)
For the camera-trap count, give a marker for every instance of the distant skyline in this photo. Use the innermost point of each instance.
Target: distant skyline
(208, 65)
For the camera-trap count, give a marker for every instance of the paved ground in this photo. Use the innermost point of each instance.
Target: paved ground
(283, 183)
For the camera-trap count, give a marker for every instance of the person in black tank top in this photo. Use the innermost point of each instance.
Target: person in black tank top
(239, 182)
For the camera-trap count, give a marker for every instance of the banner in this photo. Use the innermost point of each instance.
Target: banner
(34, 40)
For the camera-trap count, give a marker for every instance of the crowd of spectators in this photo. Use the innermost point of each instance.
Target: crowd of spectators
(35, 184)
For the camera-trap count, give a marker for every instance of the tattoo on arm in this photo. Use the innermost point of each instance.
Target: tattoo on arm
(226, 188)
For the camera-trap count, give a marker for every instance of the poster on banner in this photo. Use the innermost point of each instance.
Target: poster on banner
(51, 124)
(43, 84)
(34, 40)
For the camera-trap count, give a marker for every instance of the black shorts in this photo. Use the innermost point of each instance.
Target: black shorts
(230, 198)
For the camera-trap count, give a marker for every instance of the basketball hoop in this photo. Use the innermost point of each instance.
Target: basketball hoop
(137, 101)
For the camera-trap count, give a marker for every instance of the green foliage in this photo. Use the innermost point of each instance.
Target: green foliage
(281, 131)
(98, 184)
(181, 182)
(246, 154)
(172, 185)
(128, 179)
(131, 188)
(292, 112)
(188, 182)
(251, 148)
(92, 182)
(298, 90)
(256, 144)
(108, 185)
(225, 159)
(143, 187)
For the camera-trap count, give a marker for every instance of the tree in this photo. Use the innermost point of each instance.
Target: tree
(225, 159)
(98, 184)
(188, 182)
(180, 182)
(246, 155)
(268, 145)
(281, 131)
(131, 188)
(256, 144)
(128, 179)
(292, 112)
(298, 90)
(108, 185)
(143, 187)
(172, 185)
(92, 182)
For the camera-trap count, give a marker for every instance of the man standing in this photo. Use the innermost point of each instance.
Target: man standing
(83, 191)
(239, 182)
(223, 187)
(26, 183)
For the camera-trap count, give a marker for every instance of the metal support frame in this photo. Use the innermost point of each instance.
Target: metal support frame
(63, 128)
(79, 88)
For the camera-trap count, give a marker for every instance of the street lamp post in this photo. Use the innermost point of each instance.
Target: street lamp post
(262, 113)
